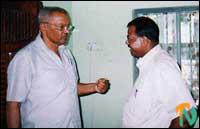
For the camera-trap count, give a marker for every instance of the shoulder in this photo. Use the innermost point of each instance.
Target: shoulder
(164, 61)
(165, 66)
(23, 55)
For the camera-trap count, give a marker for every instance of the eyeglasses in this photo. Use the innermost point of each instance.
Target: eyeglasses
(69, 27)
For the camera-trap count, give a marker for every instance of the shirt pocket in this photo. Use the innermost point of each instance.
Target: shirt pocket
(142, 101)
(48, 78)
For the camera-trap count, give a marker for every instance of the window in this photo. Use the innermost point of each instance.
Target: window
(179, 36)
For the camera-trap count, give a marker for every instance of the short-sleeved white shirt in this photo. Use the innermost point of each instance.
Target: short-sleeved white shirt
(45, 85)
(157, 91)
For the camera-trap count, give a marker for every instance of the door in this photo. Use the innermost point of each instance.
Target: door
(18, 28)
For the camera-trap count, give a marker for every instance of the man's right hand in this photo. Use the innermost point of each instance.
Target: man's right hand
(102, 85)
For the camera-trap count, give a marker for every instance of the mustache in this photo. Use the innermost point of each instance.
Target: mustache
(64, 36)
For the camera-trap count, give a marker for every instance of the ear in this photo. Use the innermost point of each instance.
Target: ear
(146, 41)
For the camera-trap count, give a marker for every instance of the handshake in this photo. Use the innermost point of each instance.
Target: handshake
(102, 85)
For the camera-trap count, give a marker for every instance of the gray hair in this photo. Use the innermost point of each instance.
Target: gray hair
(46, 12)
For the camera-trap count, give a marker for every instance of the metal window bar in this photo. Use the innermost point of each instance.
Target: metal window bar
(178, 38)
(193, 44)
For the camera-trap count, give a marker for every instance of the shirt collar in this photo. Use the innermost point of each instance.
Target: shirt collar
(40, 43)
(143, 61)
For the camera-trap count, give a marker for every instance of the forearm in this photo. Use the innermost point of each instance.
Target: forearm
(86, 88)
(13, 114)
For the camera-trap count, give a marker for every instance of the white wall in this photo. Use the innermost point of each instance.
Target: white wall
(104, 23)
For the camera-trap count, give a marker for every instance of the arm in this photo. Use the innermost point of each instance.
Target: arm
(86, 88)
(100, 86)
(175, 94)
(13, 114)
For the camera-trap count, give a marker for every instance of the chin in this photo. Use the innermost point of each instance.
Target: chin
(62, 42)
(134, 55)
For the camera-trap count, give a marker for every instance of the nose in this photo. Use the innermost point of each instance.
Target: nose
(127, 43)
(66, 30)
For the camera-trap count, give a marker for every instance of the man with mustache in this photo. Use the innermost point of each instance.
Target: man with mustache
(159, 88)
(43, 84)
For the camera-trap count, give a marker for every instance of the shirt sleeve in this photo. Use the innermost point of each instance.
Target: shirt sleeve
(73, 62)
(172, 89)
(19, 78)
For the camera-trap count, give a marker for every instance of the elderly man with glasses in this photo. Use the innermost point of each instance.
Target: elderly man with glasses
(43, 85)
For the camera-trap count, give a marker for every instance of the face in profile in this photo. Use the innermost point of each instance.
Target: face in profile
(135, 43)
(56, 29)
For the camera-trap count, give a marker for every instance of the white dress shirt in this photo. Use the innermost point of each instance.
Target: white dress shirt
(45, 85)
(157, 91)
